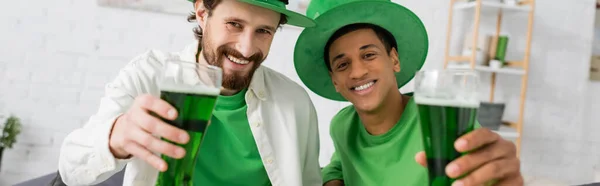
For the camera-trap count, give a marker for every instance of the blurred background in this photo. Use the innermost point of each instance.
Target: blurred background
(56, 56)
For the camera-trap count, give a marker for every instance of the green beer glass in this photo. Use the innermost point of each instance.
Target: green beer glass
(447, 102)
(191, 88)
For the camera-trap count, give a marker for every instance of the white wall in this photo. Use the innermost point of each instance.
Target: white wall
(57, 55)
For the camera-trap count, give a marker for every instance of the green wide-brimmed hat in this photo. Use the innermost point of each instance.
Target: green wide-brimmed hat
(331, 15)
(293, 18)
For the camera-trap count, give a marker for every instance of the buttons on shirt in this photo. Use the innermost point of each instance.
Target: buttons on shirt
(269, 160)
(256, 124)
(261, 94)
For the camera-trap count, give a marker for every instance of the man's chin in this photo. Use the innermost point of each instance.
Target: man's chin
(367, 105)
(236, 82)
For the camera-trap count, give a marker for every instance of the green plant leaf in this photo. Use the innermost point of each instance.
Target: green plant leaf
(11, 129)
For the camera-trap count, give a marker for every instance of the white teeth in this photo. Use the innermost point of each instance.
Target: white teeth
(238, 61)
(365, 86)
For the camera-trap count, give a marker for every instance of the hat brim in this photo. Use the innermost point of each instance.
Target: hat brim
(293, 18)
(407, 29)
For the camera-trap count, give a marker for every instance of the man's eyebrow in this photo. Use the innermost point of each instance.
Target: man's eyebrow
(241, 21)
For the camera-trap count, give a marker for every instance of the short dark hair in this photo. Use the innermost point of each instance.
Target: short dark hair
(384, 36)
(211, 5)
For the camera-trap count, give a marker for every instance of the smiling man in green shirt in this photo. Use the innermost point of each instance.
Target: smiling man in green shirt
(362, 52)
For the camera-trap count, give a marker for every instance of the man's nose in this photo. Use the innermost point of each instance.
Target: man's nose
(245, 44)
(358, 70)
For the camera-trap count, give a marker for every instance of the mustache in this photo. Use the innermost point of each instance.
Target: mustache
(256, 57)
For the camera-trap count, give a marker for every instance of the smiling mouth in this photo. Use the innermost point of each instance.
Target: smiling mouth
(237, 60)
(364, 86)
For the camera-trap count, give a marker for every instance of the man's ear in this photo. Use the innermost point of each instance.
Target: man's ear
(395, 60)
(201, 13)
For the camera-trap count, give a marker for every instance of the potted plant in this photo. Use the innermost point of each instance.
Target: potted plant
(10, 130)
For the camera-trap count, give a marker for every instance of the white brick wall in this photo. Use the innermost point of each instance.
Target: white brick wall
(56, 58)
(57, 55)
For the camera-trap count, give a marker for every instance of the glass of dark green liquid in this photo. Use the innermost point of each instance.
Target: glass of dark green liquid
(191, 88)
(447, 102)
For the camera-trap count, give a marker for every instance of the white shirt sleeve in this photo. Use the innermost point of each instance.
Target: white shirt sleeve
(85, 157)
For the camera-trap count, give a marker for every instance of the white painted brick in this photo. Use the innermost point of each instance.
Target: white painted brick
(12, 178)
(4, 85)
(18, 75)
(109, 42)
(69, 77)
(91, 95)
(78, 40)
(57, 14)
(35, 168)
(3, 68)
(103, 66)
(12, 56)
(54, 94)
(55, 120)
(53, 61)
(19, 152)
(34, 137)
(77, 110)
(18, 9)
(44, 76)
(44, 153)
(17, 91)
(29, 153)
(60, 136)
(96, 80)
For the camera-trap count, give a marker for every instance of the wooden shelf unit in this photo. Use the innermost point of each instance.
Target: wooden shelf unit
(510, 130)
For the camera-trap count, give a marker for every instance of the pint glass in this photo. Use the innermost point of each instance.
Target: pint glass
(192, 89)
(447, 102)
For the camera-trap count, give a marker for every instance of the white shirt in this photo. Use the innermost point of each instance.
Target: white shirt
(282, 119)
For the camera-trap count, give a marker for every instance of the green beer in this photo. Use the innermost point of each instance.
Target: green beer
(194, 113)
(192, 89)
(442, 123)
(447, 102)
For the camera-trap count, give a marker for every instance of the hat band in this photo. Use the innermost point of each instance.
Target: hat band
(272, 2)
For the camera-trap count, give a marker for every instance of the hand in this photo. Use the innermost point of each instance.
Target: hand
(138, 133)
(334, 183)
(491, 159)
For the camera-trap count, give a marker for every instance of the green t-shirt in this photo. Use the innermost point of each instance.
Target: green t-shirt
(387, 159)
(228, 155)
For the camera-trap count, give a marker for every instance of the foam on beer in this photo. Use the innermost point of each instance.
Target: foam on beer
(197, 89)
(456, 102)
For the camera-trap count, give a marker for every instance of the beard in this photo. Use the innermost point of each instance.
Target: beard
(235, 80)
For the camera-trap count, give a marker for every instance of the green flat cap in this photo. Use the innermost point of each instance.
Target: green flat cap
(293, 18)
(331, 15)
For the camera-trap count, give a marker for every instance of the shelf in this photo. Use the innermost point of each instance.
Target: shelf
(492, 5)
(481, 68)
(503, 70)
(507, 132)
(471, 62)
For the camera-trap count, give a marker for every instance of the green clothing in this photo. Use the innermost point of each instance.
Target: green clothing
(387, 159)
(228, 155)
